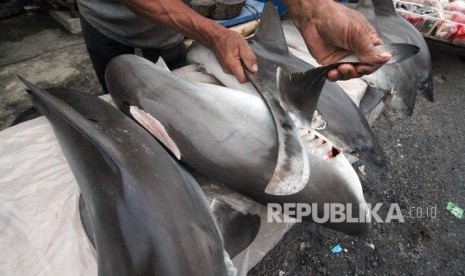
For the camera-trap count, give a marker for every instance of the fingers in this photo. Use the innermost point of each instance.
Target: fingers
(348, 71)
(248, 58)
(364, 45)
(375, 39)
(371, 55)
(334, 75)
(235, 63)
(234, 66)
(233, 54)
(365, 69)
(343, 72)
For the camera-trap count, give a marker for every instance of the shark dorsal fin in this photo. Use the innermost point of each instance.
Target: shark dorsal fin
(270, 32)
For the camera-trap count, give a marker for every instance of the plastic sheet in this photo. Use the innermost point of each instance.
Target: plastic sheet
(40, 229)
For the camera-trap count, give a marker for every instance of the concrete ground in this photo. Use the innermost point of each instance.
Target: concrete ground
(38, 49)
(425, 152)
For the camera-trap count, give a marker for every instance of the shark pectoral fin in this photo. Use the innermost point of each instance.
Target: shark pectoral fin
(292, 169)
(238, 230)
(371, 99)
(299, 92)
(156, 128)
(399, 52)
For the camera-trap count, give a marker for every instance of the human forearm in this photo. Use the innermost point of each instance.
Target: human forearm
(177, 16)
(230, 48)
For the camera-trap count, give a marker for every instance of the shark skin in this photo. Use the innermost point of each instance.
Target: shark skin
(346, 125)
(238, 230)
(230, 137)
(148, 214)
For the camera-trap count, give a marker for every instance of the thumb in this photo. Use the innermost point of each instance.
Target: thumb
(368, 53)
(248, 58)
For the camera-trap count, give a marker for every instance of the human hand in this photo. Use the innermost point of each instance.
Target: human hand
(233, 53)
(230, 48)
(333, 31)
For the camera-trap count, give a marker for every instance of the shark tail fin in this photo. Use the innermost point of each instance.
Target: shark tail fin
(299, 92)
(270, 32)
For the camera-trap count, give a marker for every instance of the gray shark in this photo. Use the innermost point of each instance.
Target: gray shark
(148, 215)
(230, 137)
(394, 27)
(345, 124)
(238, 230)
(399, 83)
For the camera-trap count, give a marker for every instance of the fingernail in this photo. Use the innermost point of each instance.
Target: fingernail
(385, 55)
(255, 68)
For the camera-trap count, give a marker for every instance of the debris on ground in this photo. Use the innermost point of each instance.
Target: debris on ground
(336, 249)
(454, 210)
(361, 169)
(370, 245)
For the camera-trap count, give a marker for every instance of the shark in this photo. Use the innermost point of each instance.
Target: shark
(148, 216)
(391, 25)
(230, 136)
(396, 85)
(238, 229)
(344, 123)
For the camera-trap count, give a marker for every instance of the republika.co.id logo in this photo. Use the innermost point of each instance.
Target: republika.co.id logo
(339, 213)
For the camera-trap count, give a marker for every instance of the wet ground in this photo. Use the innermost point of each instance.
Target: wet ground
(425, 152)
(426, 169)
